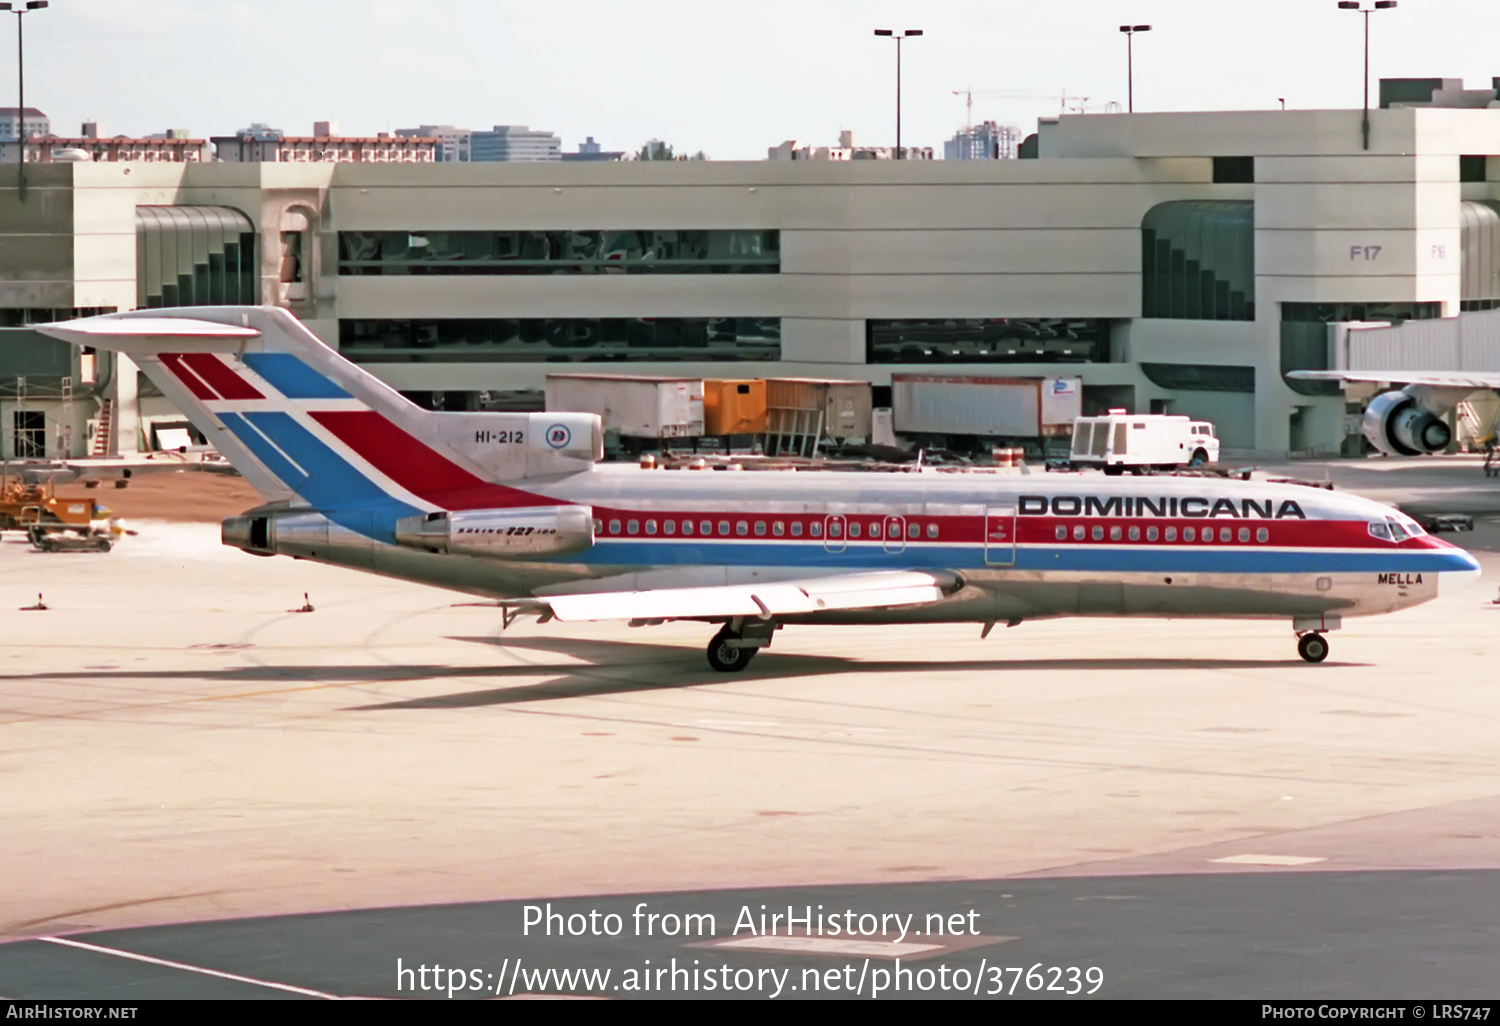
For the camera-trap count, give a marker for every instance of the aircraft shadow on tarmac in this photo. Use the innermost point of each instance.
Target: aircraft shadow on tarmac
(615, 667)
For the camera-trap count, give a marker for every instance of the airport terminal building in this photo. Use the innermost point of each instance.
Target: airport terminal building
(1177, 262)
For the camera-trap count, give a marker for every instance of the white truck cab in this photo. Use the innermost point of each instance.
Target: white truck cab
(1120, 441)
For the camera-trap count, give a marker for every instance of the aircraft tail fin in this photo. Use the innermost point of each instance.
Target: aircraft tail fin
(301, 422)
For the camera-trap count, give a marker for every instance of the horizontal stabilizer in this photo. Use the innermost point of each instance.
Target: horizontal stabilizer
(877, 590)
(135, 334)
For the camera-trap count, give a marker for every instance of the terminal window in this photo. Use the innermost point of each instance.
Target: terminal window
(1198, 260)
(1325, 313)
(649, 251)
(987, 340)
(1234, 170)
(560, 340)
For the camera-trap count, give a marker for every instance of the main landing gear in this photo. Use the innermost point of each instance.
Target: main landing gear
(725, 653)
(1313, 647)
(735, 645)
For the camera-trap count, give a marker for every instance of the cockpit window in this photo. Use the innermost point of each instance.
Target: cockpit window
(1412, 528)
(1398, 533)
(1379, 529)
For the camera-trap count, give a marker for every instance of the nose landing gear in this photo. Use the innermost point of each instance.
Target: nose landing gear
(1313, 647)
(1312, 644)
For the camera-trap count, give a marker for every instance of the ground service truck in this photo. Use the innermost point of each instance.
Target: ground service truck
(1120, 441)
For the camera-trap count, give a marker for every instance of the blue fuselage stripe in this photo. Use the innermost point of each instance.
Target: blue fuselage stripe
(330, 485)
(1166, 559)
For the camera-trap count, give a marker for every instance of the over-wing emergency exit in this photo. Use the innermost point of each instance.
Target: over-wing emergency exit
(517, 507)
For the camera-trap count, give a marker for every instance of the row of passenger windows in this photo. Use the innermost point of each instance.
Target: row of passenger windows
(775, 528)
(1117, 533)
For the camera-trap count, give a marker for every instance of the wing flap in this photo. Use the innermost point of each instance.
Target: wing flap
(1471, 380)
(782, 598)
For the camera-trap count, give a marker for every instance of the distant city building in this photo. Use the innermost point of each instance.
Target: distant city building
(262, 144)
(590, 150)
(985, 141)
(502, 143)
(37, 123)
(259, 130)
(845, 150)
(514, 142)
(119, 148)
(172, 146)
(1436, 92)
(453, 142)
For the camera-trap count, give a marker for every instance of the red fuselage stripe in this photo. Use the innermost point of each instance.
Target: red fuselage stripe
(1035, 531)
(417, 467)
(427, 474)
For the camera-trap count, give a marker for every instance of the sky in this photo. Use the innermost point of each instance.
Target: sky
(727, 78)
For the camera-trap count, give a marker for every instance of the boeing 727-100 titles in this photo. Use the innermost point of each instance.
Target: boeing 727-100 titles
(517, 507)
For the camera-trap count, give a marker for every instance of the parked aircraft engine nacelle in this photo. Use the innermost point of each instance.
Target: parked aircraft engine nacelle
(501, 533)
(1396, 424)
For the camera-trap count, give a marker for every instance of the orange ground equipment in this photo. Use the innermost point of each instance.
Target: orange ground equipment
(734, 407)
(55, 522)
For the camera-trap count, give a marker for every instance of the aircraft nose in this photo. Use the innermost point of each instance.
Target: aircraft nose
(1460, 568)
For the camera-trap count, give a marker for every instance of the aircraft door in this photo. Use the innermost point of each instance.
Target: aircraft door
(1000, 536)
(834, 529)
(895, 534)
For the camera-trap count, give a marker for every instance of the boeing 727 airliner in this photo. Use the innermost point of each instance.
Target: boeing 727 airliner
(517, 507)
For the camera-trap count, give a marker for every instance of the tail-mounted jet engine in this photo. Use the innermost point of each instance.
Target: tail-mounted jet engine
(290, 532)
(1397, 424)
(501, 533)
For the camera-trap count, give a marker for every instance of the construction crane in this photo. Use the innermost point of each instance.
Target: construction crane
(1066, 104)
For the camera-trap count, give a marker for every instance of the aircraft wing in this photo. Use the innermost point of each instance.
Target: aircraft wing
(1470, 380)
(874, 590)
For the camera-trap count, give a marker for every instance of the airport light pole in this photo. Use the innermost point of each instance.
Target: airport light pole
(898, 37)
(1130, 31)
(1353, 5)
(19, 9)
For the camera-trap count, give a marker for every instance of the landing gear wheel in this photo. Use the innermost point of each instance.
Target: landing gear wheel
(726, 658)
(102, 545)
(1312, 647)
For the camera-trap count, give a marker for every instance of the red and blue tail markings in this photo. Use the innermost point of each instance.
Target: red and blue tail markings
(410, 463)
(220, 377)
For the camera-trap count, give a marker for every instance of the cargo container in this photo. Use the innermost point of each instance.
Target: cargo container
(632, 406)
(950, 407)
(734, 407)
(797, 408)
